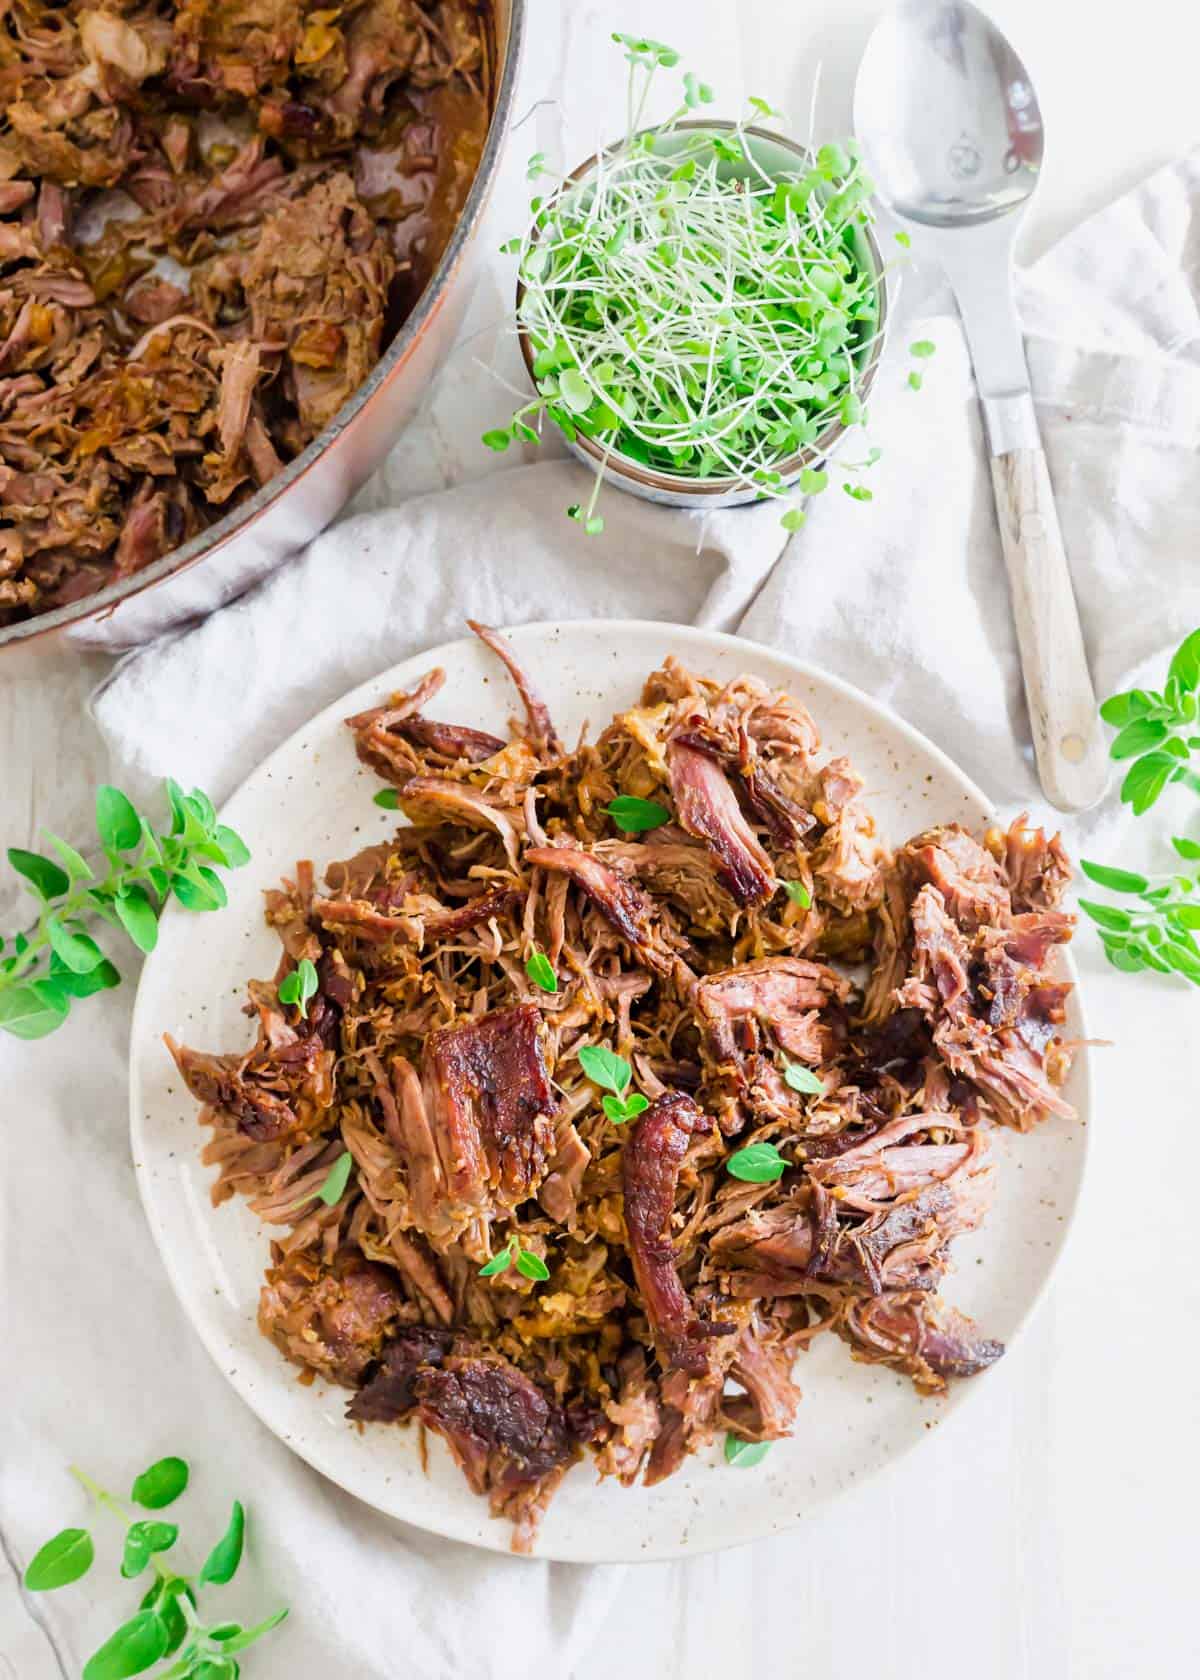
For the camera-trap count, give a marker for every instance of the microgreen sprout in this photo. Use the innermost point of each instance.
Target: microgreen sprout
(167, 1622)
(59, 960)
(528, 1263)
(685, 310)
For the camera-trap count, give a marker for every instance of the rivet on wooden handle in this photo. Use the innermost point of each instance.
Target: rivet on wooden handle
(1067, 736)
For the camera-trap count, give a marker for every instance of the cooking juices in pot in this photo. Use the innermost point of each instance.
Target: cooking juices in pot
(213, 218)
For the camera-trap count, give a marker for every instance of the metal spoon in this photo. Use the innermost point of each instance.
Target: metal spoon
(951, 133)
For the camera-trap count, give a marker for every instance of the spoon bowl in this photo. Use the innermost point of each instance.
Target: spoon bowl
(950, 129)
(947, 115)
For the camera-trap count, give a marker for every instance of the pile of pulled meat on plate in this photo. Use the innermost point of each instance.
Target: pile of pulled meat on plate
(678, 1295)
(212, 216)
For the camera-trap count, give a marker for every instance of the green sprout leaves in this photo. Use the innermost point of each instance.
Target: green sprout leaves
(744, 1455)
(59, 961)
(798, 893)
(161, 1484)
(1159, 732)
(299, 986)
(613, 1074)
(685, 312)
(758, 1163)
(61, 1561)
(166, 1622)
(803, 1079)
(334, 1187)
(637, 816)
(529, 1265)
(540, 970)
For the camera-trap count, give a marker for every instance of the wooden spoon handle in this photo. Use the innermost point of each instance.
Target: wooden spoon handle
(1067, 738)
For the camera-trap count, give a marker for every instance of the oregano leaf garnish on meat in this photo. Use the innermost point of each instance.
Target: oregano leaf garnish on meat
(803, 1079)
(529, 1265)
(798, 893)
(540, 970)
(500, 1261)
(166, 1621)
(299, 986)
(619, 1110)
(758, 1163)
(636, 816)
(58, 960)
(605, 1068)
(338, 1177)
(745, 1454)
(1159, 731)
(532, 1265)
(387, 798)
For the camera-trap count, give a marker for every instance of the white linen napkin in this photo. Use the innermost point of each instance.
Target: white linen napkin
(904, 596)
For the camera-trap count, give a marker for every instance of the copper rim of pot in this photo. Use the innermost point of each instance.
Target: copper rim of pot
(713, 492)
(244, 516)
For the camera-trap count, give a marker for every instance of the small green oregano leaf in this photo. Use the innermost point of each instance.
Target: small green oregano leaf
(338, 1177)
(637, 816)
(605, 1068)
(221, 1564)
(540, 970)
(60, 1561)
(161, 1484)
(758, 1163)
(745, 1454)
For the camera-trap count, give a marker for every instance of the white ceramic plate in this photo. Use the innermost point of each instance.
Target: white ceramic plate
(312, 799)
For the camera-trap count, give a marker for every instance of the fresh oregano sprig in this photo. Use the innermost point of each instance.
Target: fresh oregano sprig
(1158, 929)
(166, 1622)
(612, 1073)
(58, 960)
(1159, 731)
(528, 1263)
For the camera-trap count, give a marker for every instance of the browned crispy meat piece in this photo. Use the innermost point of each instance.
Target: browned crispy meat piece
(490, 1105)
(620, 901)
(332, 1319)
(918, 1335)
(707, 807)
(650, 1163)
(302, 242)
(388, 1395)
(969, 879)
(762, 1364)
(511, 1441)
(542, 735)
(276, 1091)
(1038, 870)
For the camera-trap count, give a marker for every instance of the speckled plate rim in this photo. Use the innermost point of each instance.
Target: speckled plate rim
(333, 1453)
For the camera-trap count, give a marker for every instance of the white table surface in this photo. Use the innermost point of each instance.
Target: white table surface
(1049, 1529)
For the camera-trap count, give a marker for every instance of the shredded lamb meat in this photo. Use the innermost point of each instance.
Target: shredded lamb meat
(676, 1296)
(213, 215)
